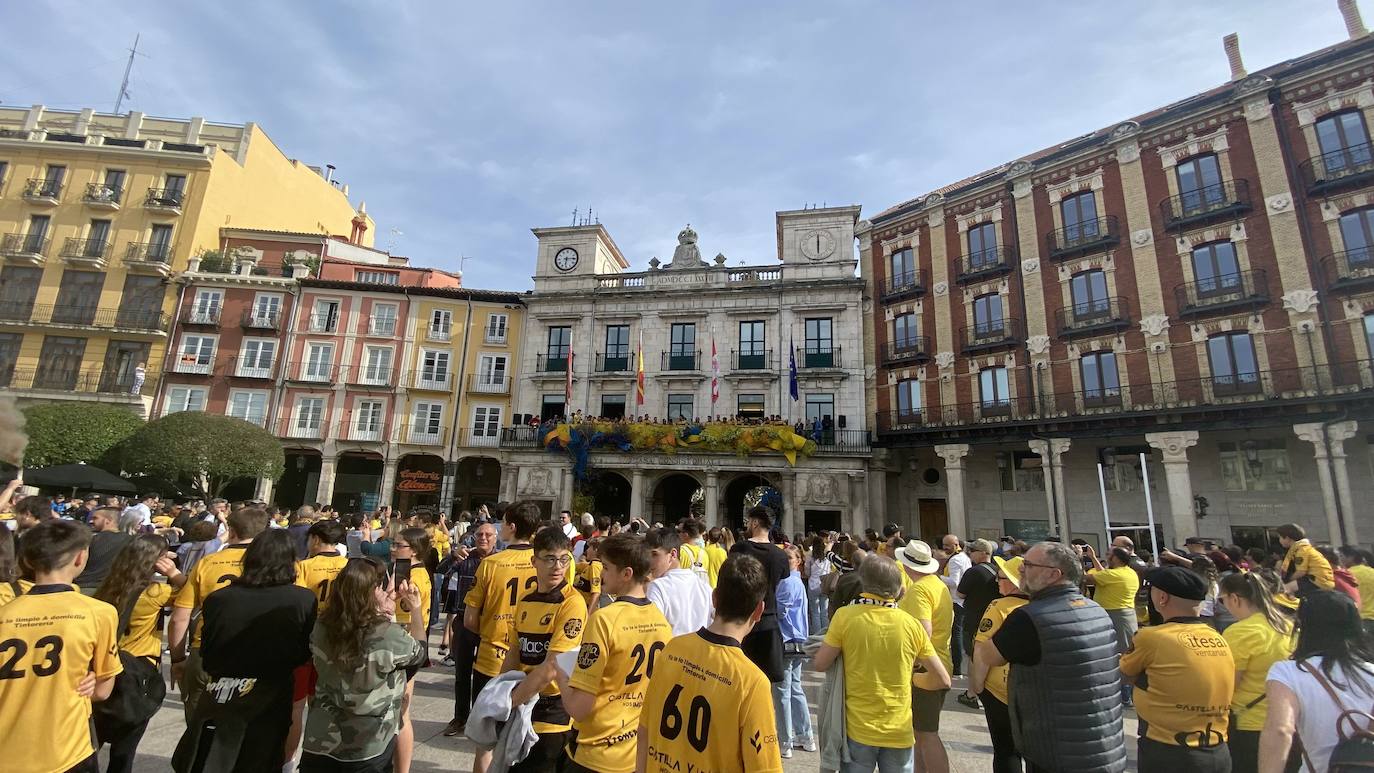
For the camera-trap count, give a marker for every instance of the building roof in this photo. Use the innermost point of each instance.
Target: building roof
(455, 293)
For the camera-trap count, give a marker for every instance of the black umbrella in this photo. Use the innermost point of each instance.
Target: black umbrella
(78, 476)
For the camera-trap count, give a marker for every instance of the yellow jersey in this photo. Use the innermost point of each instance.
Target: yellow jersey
(1185, 696)
(1302, 557)
(419, 577)
(709, 708)
(715, 556)
(209, 575)
(620, 647)
(1364, 575)
(881, 645)
(143, 639)
(317, 572)
(440, 540)
(502, 578)
(49, 638)
(691, 556)
(993, 617)
(11, 591)
(928, 599)
(588, 581)
(546, 624)
(1116, 588)
(1255, 646)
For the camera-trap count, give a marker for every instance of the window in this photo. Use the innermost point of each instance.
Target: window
(682, 348)
(820, 346)
(617, 356)
(1344, 141)
(904, 335)
(901, 267)
(59, 363)
(174, 188)
(325, 317)
(908, 398)
(319, 362)
(377, 277)
(987, 316)
(97, 239)
(750, 406)
(426, 421)
(613, 406)
(256, 359)
(78, 296)
(1216, 269)
(496, 328)
(197, 352)
(383, 320)
(1021, 471)
(377, 365)
(184, 398)
(113, 188)
(752, 355)
(1357, 234)
(1101, 384)
(1234, 367)
(18, 291)
(9, 355)
(1089, 292)
(205, 310)
(982, 245)
(4, 167)
(434, 368)
(820, 407)
(160, 244)
(440, 324)
(1199, 185)
(1369, 334)
(52, 181)
(993, 391)
(1121, 471)
(491, 372)
(560, 344)
(486, 425)
(309, 417)
(121, 360)
(36, 240)
(1255, 465)
(249, 406)
(680, 407)
(1080, 218)
(266, 310)
(367, 420)
(550, 407)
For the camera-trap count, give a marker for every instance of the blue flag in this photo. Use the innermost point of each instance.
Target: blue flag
(792, 368)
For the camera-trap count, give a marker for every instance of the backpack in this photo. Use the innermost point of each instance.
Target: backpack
(1352, 753)
(138, 690)
(697, 557)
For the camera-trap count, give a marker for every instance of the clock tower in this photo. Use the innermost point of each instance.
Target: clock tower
(575, 253)
(817, 241)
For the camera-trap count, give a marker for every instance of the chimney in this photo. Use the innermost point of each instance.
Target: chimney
(1232, 45)
(1354, 25)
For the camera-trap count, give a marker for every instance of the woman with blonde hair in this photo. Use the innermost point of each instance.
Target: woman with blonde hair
(1261, 636)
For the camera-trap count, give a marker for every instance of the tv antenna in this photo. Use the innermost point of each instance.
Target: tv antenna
(128, 68)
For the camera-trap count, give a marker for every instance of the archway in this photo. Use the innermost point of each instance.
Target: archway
(672, 499)
(735, 492)
(478, 483)
(357, 482)
(610, 492)
(419, 477)
(300, 480)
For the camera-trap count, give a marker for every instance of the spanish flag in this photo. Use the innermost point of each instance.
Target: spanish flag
(639, 371)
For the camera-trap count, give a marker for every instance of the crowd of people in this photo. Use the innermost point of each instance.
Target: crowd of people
(578, 643)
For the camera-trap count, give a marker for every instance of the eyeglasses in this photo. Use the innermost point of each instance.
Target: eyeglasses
(556, 560)
(401, 546)
(1024, 562)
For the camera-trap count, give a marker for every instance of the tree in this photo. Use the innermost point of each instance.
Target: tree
(67, 433)
(208, 451)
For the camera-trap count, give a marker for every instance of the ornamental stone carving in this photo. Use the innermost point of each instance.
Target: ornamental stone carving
(1030, 265)
(1124, 129)
(941, 288)
(1021, 188)
(944, 360)
(1020, 167)
(1142, 237)
(934, 200)
(1154, 325)
(1175, 445)
(1279, 202)
(538, 480)
(1258, 110)
(1254, 83)
(1038, 344)
(1300, 301)
(1128, 153)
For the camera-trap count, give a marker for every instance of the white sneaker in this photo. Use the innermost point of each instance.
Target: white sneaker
(787, 752)
(809, 745)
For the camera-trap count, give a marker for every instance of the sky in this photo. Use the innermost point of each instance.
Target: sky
(464, 125)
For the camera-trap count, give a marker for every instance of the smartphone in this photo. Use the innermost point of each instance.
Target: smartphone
(400, 570)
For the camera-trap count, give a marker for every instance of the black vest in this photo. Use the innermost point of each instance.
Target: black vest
(1066, 710)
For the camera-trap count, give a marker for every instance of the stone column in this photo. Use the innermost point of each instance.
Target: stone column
(789, 501)
(858, 503)
(636, 494)
(510, 482)
(877, 492)
(263, 490)
(1058, 447)
(1335, 488)
(1042, 449)
(565, 489)
(712, 497)
(1182, 517)
(384, 494)
(953, 455)
(324, 491)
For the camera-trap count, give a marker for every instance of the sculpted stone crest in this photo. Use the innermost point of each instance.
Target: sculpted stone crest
(687, 255)
(944, 359)
(1300, 301)
(1038, 344)
(1154, 325)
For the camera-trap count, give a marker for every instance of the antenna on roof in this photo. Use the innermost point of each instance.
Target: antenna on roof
(128, 68)
(574, 220)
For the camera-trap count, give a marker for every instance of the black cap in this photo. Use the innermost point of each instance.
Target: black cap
(1180, 582)
(1195, 541)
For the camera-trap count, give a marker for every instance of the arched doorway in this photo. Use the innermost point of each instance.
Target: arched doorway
(673, 498)
(419, 477)
(300, 479)
(735, 492)
(478, 483)
(357, 482)
(610, 492)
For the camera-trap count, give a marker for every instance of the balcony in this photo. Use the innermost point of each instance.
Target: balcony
(381, 326)
(985, 264)
(911, 284)
(152, 256)
(73, 379)
(430, 379)
(754, 359)
(494, 335)
(102, 196)
(1205, 205)
(208, 316)
(38, 190)
(1083, 238)
(909, 350)
(312, 372)
(819, 358)
(322, 323)
(370, 375)
(520, 437)
(261, 319)
(302, 426)
(988, 336)
(551, 363)
(1241, 291)
(420, 434)
(27, 248)
(253, 368)
(616, 362)
(1343, 169)
(439, 334)
(86, 253)
(485, 384)
(193, 365)
(167, 200)
(841, 441)
(1349, 271)
(480, 437)
(1094, 318)
(130, 319)
(680, 360)
(361, 430)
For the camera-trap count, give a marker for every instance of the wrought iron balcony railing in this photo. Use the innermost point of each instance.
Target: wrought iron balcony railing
(984, 264)
(1341, 169)
(42, 189)
(680, 359)
(85, 249)
(996, 334)
(164, 199)
(1083, 237)
(911, 349)
(24, 245)
(1213, 202)
(754, 359)
(617, 361)
(1349, 270)
(102, 196)
(123, 318)
(905, 285)
(819, 358)
(1093, 317)
(1222, 293)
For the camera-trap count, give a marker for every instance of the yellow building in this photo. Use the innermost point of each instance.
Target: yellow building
(99, 211)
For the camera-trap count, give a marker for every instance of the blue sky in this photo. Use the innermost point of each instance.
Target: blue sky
(463, 125)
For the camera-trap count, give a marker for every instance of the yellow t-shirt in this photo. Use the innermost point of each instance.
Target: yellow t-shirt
(419, 577)
(1116, 588)
(620, 647)
(502, 578)
(881, 645)
(690, 556)
(7, 593)
(1190, 678)
(1364, 575)
(143, 638)
(928, 599)
(440, 540)
(708, 708)
(49, 638)
(1302, 557)
(588, 581)
(210, 574)
(546, 624)
(996, 614)
(317, 572)
(715, 556)
(1255, 646)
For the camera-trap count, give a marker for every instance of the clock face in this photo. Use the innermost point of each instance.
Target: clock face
(817, 245)
(565, 259)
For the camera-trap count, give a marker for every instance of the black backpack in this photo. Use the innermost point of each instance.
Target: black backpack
(1353, 753)
(138, 690)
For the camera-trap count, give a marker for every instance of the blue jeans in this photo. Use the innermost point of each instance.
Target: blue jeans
(789, 705)
(866, 758)
(818, 611)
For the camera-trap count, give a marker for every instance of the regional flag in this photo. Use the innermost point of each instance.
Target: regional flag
(792, 368)
(715, 375)
(639, 371)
